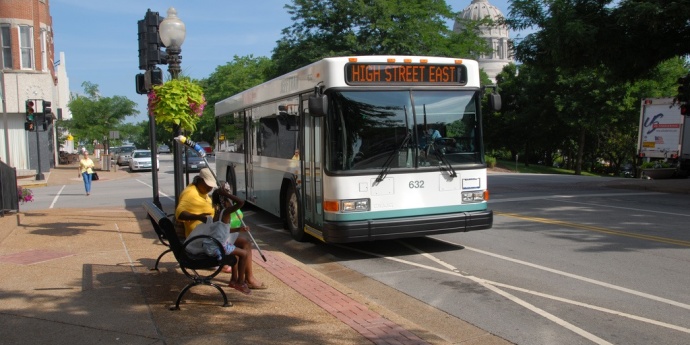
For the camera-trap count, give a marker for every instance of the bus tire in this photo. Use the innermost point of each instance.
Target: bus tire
(292, 222)
(230, 179)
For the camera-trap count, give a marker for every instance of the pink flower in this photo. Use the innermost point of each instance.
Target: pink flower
(25, 194)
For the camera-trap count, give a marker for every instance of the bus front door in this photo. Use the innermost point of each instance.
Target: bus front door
(250, 153)
(312, 192)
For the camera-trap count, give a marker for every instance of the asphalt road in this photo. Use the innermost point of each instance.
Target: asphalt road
(568, 260)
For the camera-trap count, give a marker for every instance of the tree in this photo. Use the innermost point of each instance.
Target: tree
(528, 122)
(94, 116)
(369, 27)
(135, 133)
(629, 37)
(604, 56)
(234, 77)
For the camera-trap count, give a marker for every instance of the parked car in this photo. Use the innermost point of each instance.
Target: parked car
(193, 161)
(125, 154)
(141, 160)
(206, 146)
(113, 152)
(163, 148)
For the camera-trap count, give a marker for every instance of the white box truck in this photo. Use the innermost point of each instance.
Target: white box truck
(664, 134)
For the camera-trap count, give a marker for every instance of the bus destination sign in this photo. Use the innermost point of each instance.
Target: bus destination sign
(380, 73)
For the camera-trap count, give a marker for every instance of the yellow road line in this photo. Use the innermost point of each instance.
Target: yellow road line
(596, 228)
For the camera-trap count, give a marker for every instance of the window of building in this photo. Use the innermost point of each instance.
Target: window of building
(26, 46)
(44, 51)
(6, 44)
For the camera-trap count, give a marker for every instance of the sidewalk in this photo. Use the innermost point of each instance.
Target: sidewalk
(81, 276)
(67, 174)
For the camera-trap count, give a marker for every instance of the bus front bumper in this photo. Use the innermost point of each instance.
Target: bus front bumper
(385, 229)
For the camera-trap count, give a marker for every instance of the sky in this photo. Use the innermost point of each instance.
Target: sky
(99, 38)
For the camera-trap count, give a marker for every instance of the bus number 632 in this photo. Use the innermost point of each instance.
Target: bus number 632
(416, 184)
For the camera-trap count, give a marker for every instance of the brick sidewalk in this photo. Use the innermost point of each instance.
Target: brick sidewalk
(368, 323)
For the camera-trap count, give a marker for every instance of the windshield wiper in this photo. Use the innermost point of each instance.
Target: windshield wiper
(387, 164)
(445, 161)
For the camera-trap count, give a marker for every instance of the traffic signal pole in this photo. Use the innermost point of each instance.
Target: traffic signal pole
(32, 120)
(149, 56)
(39, 174)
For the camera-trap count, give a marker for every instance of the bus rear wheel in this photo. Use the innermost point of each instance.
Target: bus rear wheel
(292, 215)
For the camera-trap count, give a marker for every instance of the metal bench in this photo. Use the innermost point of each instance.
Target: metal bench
(189, 263)
(154, 214)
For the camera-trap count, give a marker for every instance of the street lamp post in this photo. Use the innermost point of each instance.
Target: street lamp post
(172, 33)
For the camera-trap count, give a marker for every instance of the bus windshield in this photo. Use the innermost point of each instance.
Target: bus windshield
(383, 130)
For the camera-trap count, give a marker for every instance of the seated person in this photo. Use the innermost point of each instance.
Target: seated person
(194, 203)
(193, 208)
(224, 200)
(434, 134)
(221, 231)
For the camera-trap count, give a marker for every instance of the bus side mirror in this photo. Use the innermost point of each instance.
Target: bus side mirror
(318, 105)
(495, 101)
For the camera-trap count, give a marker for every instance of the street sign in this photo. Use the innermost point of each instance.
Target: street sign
(114, 135)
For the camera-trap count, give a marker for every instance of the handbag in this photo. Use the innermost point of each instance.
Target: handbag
(94, 176)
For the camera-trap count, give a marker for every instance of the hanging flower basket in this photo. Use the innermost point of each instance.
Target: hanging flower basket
(25, 194)
(177, 102)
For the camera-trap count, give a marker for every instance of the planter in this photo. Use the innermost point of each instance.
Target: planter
(658, 173)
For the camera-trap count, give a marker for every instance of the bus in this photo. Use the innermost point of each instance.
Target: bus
(362, 148)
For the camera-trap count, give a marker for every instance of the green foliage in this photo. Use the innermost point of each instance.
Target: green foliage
(581, 34)
(94, 116)
(580, 103)
(128, 133)
(234, 77)
(490, 161)
(655, 165)
(536, 169)
(369, 27)
(178, 102)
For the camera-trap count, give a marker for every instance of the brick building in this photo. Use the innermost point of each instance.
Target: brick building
(29, 71)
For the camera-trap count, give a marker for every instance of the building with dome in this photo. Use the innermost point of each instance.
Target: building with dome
(496, 35)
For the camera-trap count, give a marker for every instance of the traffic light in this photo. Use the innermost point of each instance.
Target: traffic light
(156, 76)
(29, 126)
(145, 81)
(46, 107)
(143, 44)
(150, 44)
(683, 97)
(154, 53)
(30, 109)
(140, 83)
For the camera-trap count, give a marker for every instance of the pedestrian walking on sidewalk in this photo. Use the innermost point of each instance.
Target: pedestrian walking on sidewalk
(86, 171)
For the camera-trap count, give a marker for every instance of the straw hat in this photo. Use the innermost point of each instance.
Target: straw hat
(208, 178)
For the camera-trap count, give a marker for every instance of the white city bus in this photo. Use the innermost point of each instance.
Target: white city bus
(391, 147)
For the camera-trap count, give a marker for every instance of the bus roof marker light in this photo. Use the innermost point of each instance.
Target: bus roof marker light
(458, 62)
(352, 59)
(390, 60)
(424, 61)
(407, 61)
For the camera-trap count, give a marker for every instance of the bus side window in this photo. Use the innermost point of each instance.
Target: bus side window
(287, 138)
(269, 137)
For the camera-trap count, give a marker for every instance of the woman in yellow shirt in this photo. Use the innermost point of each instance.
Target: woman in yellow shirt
(86, 171)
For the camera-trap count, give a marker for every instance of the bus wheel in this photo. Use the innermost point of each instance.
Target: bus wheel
(292, 215)
(231, 181)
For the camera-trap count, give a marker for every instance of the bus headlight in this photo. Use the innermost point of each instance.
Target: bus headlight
(474, 196)
(357, 205)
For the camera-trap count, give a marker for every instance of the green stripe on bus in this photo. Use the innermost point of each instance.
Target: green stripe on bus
(355, 216)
